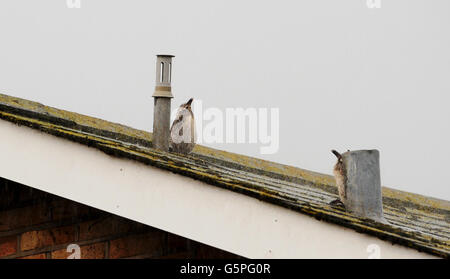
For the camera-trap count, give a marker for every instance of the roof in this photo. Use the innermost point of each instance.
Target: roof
(415, 221)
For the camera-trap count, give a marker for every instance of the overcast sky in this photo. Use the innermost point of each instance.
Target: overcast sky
(344, 76)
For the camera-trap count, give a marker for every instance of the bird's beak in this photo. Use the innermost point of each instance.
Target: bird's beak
(188, 104)
(337, 154)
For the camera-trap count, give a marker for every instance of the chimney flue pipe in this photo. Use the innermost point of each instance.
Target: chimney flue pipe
(363, 187)
(162, 95)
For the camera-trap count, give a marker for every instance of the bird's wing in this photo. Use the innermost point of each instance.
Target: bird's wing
(176, 121)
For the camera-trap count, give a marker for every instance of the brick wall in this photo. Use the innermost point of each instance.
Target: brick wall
(38, 225)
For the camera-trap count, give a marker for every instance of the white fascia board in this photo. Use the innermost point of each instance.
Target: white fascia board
(177, 204)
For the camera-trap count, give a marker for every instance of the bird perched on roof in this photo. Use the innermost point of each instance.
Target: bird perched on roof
(341, 179)
(182, 132)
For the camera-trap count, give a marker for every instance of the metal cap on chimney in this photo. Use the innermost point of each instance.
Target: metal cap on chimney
(162, 97)
(163, 87)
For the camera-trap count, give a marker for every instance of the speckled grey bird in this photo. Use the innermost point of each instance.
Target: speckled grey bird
(182, 132)
(341, 179)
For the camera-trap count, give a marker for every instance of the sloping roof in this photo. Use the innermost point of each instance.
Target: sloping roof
(415, 221)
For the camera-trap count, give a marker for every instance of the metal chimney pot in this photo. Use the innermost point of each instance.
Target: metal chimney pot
(363, 189)
(162, 95)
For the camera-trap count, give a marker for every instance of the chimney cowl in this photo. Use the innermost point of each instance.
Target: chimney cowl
(163, 86)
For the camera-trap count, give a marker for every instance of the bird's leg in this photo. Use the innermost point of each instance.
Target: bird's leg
(337, 202)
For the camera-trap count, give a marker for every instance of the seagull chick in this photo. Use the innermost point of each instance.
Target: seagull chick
(182, 132)
(341, 179)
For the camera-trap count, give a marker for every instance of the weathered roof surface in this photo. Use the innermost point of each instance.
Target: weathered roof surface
(415, 221)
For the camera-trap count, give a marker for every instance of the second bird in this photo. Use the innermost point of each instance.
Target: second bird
(341, 179)
(182, 132)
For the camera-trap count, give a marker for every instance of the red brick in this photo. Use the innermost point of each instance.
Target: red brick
(8, 245)
(37, 239)
(23, 217)
(93, 251)
(110, 226)
(34, 257)
(143, 244)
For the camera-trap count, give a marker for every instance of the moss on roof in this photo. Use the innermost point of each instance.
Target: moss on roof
(415, 221)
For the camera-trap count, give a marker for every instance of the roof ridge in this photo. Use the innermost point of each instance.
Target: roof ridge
(125, 133)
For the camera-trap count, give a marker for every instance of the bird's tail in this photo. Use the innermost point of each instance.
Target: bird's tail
(337, 154)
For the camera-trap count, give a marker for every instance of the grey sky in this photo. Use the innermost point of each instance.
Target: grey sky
(343, 76)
